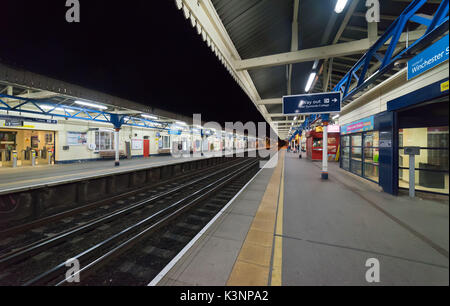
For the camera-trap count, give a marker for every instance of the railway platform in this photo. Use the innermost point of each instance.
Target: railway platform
(288, 227)
(28, 177)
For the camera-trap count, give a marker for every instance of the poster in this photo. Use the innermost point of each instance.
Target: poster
(76, 138)
(137, 144)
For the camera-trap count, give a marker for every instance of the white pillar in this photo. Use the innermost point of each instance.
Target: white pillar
(325, 152)
(116, 145)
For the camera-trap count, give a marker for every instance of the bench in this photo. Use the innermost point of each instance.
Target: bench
(111, 154)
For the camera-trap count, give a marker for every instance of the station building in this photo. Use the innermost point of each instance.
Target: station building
(56, 126)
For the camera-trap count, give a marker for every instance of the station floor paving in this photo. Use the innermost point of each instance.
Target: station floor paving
(28, 176)
(288, 227)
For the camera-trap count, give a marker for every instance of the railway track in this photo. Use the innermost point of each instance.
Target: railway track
(98, 240)
(16, 236)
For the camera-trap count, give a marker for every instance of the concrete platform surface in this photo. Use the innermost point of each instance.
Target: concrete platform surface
(325, 233)
(331, 228)
(210, 260)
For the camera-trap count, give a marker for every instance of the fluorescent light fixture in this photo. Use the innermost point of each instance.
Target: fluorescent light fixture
(149, 116)
(310, 81)
(295, 118)
(94, 105)
(340, 5)
(335, 117)
(180, 122)
(50, 107)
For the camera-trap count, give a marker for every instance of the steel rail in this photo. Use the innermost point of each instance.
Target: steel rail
(38, 246)
(42, 221)
(149, 223)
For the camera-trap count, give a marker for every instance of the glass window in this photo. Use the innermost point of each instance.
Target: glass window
(371, 171)
(430, 159)
(356, 140)
(346, 152)
(7, 141)
(356, 166)
(371, 155)
(166, 142)
(345, 163)
(371, 139)
(432, 164)
(346, 141)
(104, 140)
(317, 143)
(356, 153)
(425, 180)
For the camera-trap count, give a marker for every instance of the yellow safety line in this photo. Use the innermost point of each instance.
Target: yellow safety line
(278, 247)
(252, 266)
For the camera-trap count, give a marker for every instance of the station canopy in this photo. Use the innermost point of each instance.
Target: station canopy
(271, 48)
(27, 92)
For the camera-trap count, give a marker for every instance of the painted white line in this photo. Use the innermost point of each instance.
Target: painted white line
(175, 260)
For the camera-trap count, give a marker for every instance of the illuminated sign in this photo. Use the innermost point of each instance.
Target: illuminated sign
(434, 55)
(362, 125)
(320, 103)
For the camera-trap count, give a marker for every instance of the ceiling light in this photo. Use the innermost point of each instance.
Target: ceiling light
(51, 107)
(149, 116)
(340, 5)
(91, 104)
(180, 122)
(335, 117)
(310, 81)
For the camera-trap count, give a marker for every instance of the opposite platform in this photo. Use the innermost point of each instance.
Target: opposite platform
(16, 179)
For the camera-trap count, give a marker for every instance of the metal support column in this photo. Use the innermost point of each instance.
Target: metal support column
(325, 119)
(116, 145)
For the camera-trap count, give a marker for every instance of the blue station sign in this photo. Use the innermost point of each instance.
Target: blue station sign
(174, 132)
(434, 55)
(320, 103)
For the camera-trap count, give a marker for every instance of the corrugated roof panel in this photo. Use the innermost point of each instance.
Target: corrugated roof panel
(263, 27)
(257, 28)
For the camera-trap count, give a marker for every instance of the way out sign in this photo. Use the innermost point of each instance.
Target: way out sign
(320, 103)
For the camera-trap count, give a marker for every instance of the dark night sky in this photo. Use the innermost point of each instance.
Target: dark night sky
(141, 50)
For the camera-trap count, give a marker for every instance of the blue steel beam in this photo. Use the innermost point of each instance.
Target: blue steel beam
(437, 26)
(79, 113)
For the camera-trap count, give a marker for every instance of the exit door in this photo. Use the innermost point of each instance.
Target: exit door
(146, 147)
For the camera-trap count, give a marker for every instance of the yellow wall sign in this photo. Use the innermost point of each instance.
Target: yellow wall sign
(444, 86)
